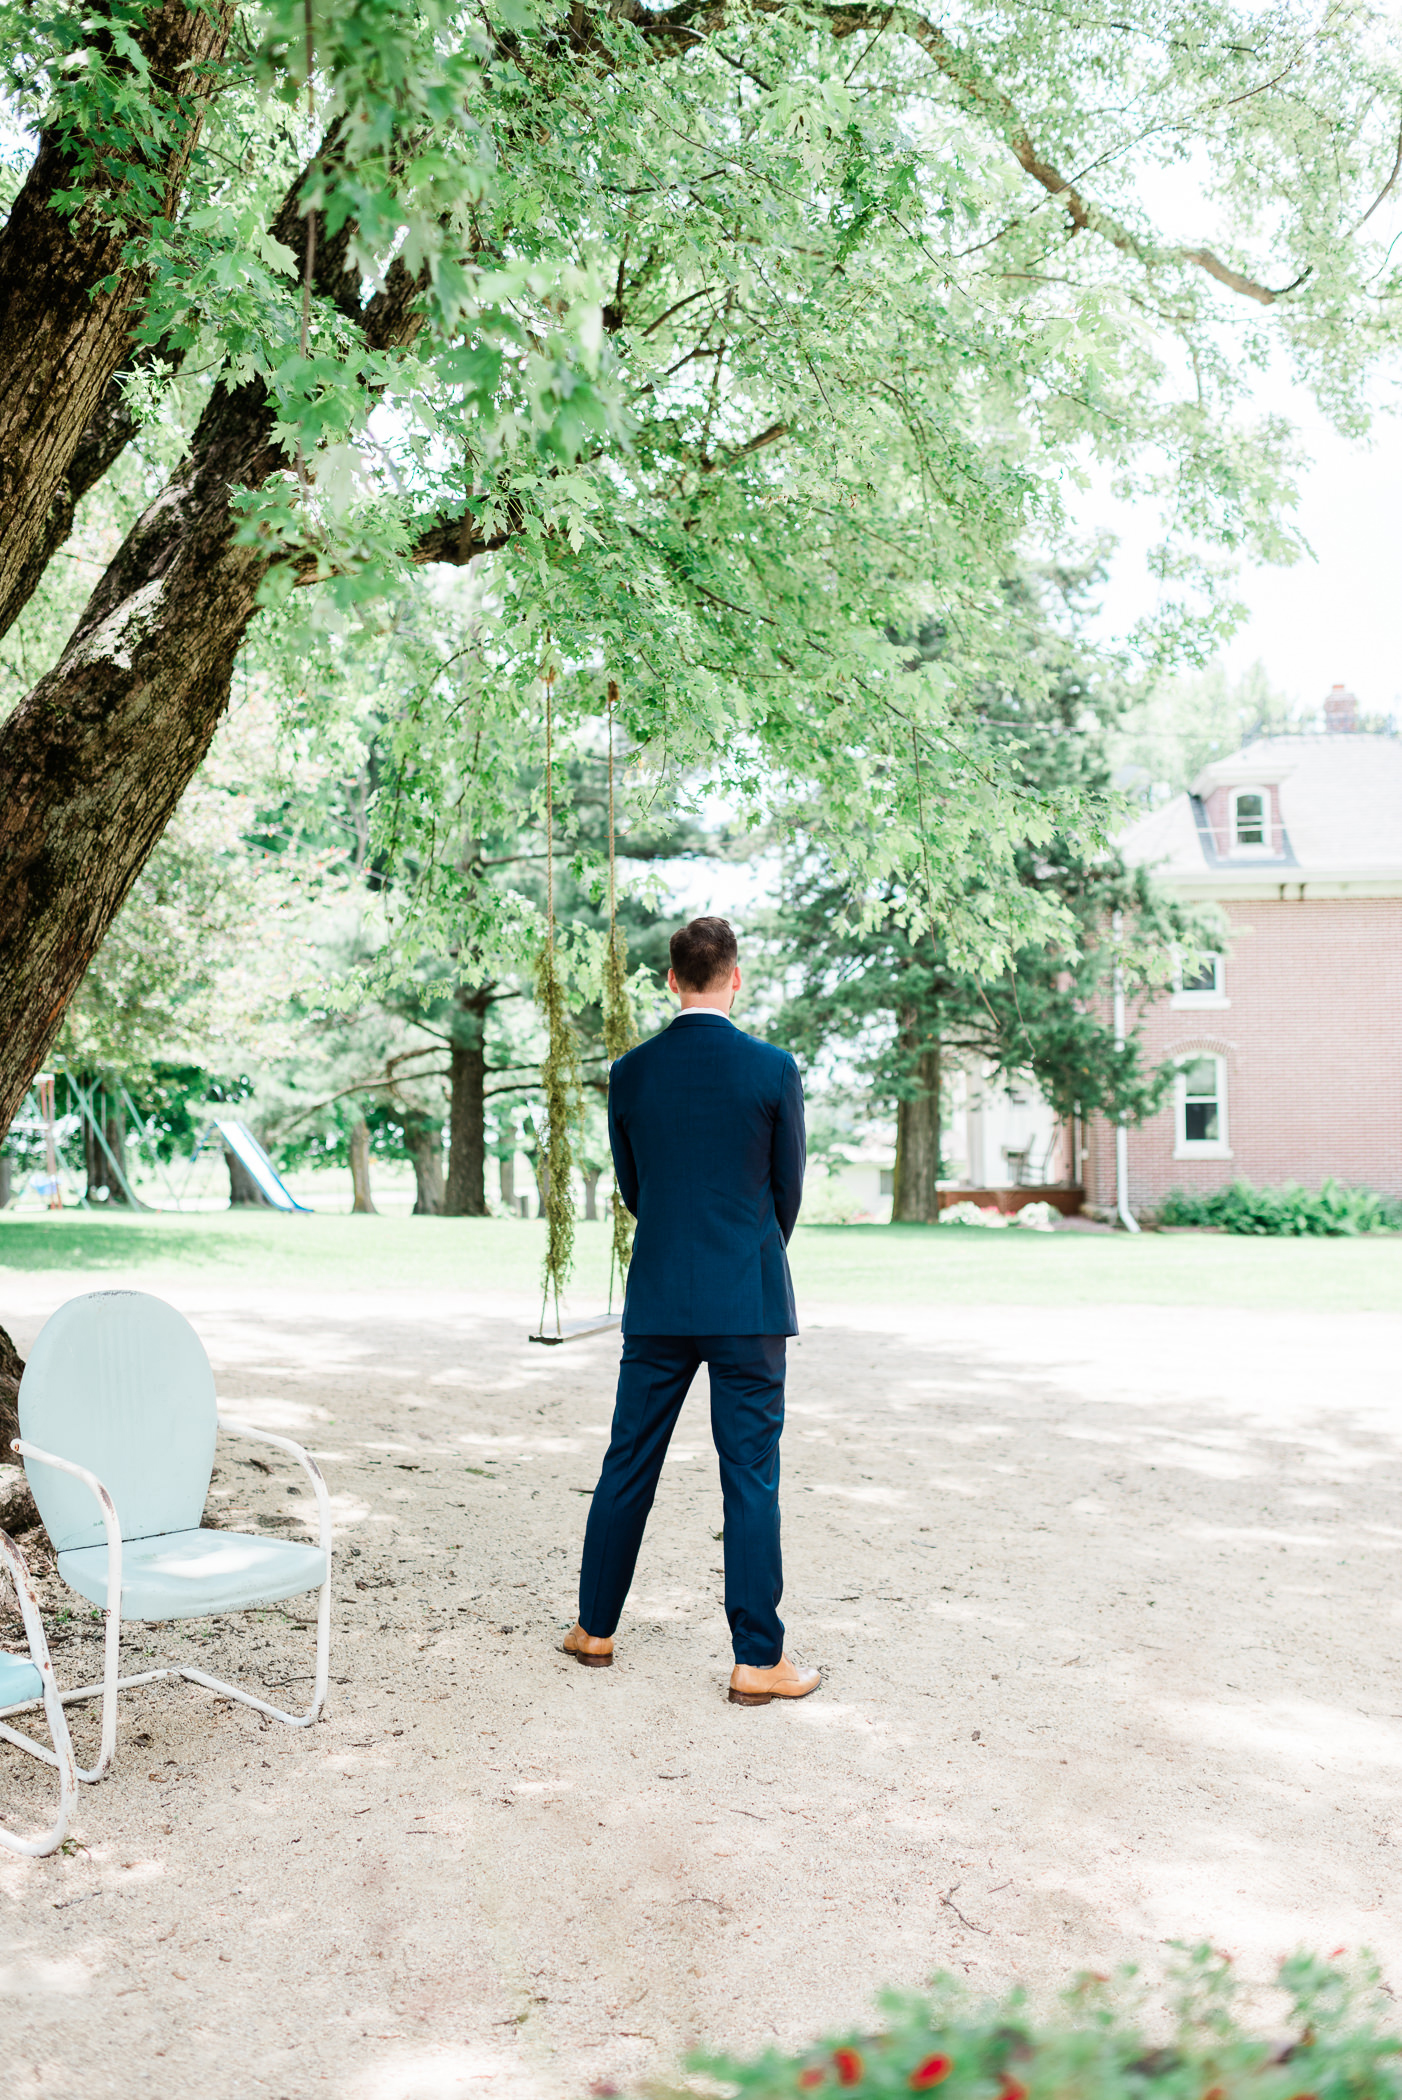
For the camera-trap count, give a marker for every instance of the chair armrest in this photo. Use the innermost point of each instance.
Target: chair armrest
(29, 1613)
(104, 1500)
(305, 1461)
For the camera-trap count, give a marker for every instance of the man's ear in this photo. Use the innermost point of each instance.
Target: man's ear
(735, 979)
(672, 984)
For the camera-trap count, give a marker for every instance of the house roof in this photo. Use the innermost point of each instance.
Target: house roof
(1340, 809)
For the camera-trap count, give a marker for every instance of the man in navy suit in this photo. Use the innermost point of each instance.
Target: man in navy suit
(706, 1126)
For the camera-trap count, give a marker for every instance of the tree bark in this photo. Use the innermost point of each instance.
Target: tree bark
(11, 1371)
(467, 1145)
(67, 290)
(6, 1172)
(113, 425)
(107, 1168)
(915, 1200)
(506, 1170)
(244, 1191)
(362, 1203)
(591, 1191)
(96, 758)
(423, 1141)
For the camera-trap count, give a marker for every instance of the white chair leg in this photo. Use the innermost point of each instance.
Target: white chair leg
(111, 1680)
(323, 1617)
(323, 1664)
(62, 1752)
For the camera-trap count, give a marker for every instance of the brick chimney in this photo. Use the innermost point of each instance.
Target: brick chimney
(1340, 712)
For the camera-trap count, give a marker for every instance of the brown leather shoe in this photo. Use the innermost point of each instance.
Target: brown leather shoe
(750, 1686)
(595, 1654)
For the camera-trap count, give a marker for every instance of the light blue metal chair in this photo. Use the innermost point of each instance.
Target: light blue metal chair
(27, 1683)
(118, 1419)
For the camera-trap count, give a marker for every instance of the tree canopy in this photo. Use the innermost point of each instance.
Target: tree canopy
(743, 336)
(887, 994)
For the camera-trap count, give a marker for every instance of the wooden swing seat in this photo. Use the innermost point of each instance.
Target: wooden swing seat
(576, 1330)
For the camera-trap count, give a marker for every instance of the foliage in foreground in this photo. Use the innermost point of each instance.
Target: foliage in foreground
(1291, 1211)
(1331, 2044)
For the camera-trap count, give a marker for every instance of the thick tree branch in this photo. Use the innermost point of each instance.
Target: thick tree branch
(113, 425)
(67, 289)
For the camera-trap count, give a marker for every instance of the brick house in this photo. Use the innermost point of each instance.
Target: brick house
(1289, 1044)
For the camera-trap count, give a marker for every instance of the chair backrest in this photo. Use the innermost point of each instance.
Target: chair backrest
(119, 1382)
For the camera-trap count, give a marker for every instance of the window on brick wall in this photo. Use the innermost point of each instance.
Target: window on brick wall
(1204, 986)
(1202, 1107)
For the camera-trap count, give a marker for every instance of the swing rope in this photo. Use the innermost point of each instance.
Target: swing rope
(559, 1074)
(310, 264)
(620, 1033)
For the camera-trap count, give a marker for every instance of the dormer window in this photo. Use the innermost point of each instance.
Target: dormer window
(1251, 821)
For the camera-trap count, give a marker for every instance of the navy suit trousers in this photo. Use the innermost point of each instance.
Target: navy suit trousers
(747, 1416)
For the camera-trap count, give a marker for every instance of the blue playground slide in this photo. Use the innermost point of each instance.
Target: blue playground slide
(246, 1148)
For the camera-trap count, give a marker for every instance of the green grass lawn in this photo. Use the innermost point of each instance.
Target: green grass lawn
(843, 1264)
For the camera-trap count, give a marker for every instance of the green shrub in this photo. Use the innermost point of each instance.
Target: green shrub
(1293, 1210)
(1335, 2048)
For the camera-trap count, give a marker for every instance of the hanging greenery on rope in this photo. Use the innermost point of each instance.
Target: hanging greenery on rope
(559, 1074)
(620, 1028)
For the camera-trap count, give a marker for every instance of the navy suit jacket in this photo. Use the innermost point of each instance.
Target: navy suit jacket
(706, 1125)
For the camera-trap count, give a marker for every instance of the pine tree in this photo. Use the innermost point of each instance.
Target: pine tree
(901, 996)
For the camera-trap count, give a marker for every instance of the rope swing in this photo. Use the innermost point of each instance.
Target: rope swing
(559, 1075)
(560, 1078)
(620, 1031)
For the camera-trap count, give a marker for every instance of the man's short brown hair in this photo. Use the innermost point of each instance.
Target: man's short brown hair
(704, 954)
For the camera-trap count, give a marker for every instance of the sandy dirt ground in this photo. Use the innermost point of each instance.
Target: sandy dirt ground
(1108, 1612)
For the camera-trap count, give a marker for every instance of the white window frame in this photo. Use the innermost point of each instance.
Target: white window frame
(1267, 850)
(1215, 1000)
(1185, 1147)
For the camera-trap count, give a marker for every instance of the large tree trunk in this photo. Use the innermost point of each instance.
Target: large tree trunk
(244, 1192)
(67, 290)
(106, 1162)
(423, 1141)
(362, 1202)
(11, 1371)
(467, 1142)
(113, 425)
(916, 1196)
(94, 761)
(96, 758)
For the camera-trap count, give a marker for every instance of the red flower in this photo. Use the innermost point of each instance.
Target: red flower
(849, 2066)
(814, 2075)
(933, 2071)
(1011, 2090)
